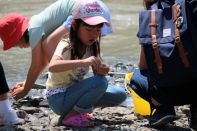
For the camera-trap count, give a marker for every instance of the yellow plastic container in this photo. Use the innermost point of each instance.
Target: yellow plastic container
(141, 106)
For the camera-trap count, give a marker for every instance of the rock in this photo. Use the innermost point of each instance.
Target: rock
(44, 103)
(54, 120)
(21, 114)
(30, 110)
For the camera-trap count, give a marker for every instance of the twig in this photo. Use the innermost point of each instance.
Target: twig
(116, 73)
(39, 86)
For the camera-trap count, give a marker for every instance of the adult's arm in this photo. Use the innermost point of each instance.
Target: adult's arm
(38, 63)
(50, 43)
(41, 55)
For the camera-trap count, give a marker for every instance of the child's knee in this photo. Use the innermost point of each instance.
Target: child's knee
(101, 82)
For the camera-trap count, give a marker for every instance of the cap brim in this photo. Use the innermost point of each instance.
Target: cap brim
(95, 20)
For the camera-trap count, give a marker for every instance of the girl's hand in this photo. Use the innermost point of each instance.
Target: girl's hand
(103, 69)
(93, 61)
(19, 84)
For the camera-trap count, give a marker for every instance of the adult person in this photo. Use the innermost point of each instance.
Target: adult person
(162, 96)
(7, 113)
(42, 32)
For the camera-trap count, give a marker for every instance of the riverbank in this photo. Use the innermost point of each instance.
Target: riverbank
(36, 115)
(41, 118)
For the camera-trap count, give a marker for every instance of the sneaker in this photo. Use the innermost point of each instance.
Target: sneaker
(193, 117)
(162, 116)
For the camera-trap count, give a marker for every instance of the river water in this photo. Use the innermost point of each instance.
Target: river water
(122, 45)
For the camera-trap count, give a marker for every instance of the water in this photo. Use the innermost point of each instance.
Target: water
(128, 102)
(122, 45)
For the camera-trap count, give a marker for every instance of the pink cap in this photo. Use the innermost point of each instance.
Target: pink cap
(90, 11)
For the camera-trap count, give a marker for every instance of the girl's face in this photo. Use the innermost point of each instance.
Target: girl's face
(88, 34)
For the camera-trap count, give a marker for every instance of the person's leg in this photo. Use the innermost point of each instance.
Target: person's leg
(139, 83)
(6, 112)
(81, 96)
(113, 96)
(164, 114)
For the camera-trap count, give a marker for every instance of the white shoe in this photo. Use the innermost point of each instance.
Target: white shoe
(10, 117)
(1, 121)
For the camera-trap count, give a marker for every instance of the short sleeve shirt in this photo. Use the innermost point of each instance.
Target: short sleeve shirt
(44, 23)
(67, 78)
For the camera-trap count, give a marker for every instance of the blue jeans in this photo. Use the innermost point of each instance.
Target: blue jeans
(139, 83)
(85, 95)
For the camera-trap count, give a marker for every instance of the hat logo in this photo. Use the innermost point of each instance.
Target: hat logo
(92, 9)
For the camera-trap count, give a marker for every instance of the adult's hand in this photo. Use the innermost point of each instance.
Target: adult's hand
(67, 24)
(18, 91)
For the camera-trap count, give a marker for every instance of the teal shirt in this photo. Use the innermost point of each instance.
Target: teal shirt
(44, 23)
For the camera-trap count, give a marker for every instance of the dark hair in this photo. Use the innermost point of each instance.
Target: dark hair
(76, 42)
(26, 36)
(148, 3)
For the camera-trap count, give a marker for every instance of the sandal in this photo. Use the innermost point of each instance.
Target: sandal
(87, 116)
(78, 121)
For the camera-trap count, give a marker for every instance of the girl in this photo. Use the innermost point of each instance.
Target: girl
(68, 93)
(42, 32)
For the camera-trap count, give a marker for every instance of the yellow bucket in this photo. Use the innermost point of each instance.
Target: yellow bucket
(141, 106)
